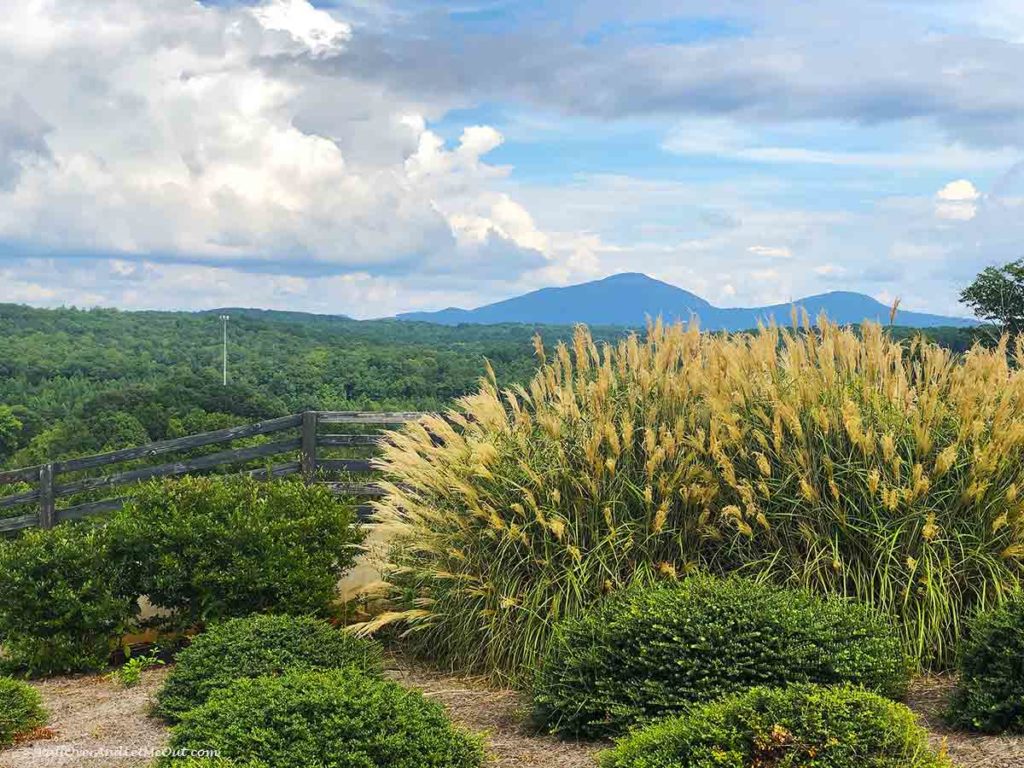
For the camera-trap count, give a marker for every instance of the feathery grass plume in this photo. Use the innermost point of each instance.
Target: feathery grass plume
(825, 458)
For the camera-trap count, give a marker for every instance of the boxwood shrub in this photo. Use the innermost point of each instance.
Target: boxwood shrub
(207, 548)
(59, 609)
(654, 651)
(259, 646)
(799, 727)
(21, 710)
(990, 694)
(306, 719)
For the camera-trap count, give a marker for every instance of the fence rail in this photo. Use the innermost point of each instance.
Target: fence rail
(47, 491)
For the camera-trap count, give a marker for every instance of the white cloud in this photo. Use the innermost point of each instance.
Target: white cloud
(959, 191)
(830, 270)
(725, 138)
(957, 201)
(232, 136)
(771, 251)
(317, 30)
(477, 140)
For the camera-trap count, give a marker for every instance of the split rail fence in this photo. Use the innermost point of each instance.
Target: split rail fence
(60, 480)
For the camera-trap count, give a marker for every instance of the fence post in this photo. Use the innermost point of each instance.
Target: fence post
(308, 459)
(47, 504)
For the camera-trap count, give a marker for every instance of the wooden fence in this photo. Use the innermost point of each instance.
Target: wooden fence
(304, 444)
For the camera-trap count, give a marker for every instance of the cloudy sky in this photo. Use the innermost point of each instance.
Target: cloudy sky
(363, 157)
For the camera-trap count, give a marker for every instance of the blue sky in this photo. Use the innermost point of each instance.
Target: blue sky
(374, 157)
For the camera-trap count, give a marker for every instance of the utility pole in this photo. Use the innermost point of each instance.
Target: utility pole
(224, 319)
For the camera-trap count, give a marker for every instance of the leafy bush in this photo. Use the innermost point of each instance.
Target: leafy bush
(21, 710)
(59, 611)
(797, 727)
(329, 718)
(654, 651)
(259, 646)
(990, 695)
(840, 461)
(129, 674)
(208, 547)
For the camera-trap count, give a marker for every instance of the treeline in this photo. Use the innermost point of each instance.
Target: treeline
(74, 382)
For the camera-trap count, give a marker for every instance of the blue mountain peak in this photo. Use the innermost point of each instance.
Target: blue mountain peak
(630, 298)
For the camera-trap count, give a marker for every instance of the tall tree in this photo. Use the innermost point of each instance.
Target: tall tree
(10, 432)
(997, 295)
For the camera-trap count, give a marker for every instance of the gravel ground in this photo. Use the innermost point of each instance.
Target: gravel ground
(93, 721)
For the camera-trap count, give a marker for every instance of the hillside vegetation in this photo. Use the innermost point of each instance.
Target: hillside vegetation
(75, 382)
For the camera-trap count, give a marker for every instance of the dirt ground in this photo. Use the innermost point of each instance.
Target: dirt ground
(499, 716)
(928, 698)
(95, 723)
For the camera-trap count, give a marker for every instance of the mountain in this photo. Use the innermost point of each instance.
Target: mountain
(628, 299)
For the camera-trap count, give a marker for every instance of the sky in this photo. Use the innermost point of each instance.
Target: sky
(367, 158)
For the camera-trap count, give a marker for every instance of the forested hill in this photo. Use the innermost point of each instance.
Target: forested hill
(83, 381)
(74, 382)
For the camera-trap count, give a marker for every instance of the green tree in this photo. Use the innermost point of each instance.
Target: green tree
(997, 295)
(10, 432)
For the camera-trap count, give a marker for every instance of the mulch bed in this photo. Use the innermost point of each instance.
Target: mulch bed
(92, 718)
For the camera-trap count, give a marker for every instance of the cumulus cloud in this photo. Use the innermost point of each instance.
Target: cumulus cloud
(317, 30)
(957, 201)
(178, 131)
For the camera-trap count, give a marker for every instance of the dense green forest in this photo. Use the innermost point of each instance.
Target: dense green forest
(74, 382)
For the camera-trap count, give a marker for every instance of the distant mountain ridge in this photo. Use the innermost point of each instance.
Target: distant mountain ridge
(629, 298)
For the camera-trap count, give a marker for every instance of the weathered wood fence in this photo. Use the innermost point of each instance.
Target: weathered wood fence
(305, 444)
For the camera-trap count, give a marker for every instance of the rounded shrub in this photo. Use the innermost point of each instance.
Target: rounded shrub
(59, 609)
(308, 719)
(990, 694)
(259, 646)
(655, 651)
(21, 710)
(843, 461)
(206, 548)
(802, 726)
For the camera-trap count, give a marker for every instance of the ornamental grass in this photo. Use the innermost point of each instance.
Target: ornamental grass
(827, 458)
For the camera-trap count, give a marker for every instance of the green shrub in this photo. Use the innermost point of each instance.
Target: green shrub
(990, 694)
(654, 651)
(209, 547)
(59, 611)
(129, 674)
(21, 710)
(259, 646)
(801, 726)
(841, 461)
(329, 718)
